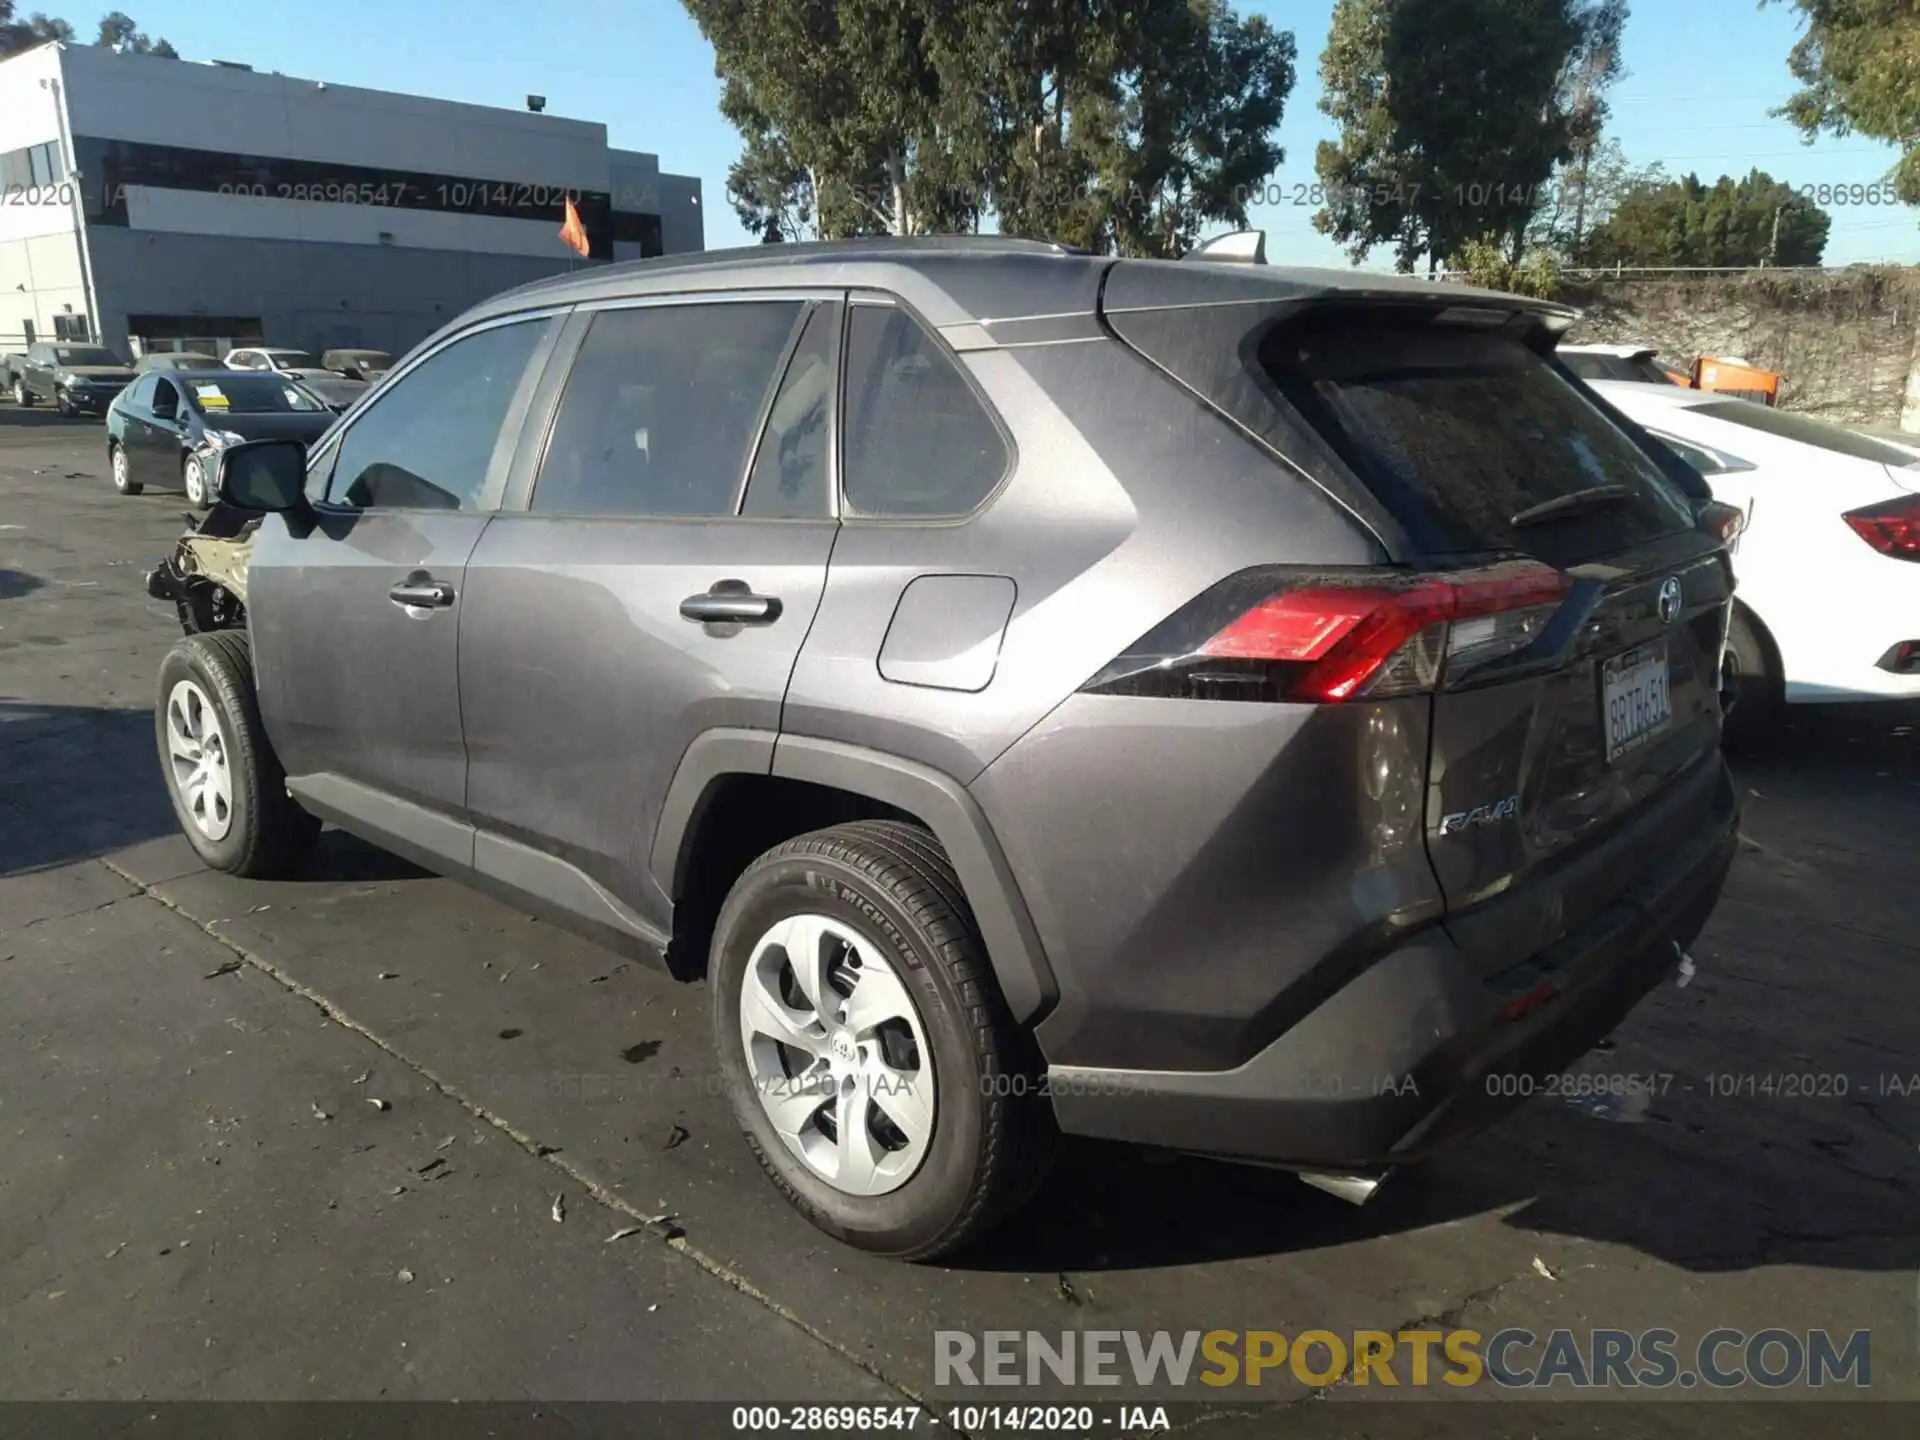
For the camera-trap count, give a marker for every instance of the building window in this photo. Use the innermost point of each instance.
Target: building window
(71, 328)
(110, 166)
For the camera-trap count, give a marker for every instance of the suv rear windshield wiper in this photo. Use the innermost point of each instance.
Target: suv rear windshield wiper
(1575, 500)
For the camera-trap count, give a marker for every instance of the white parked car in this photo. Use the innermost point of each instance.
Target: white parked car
(298, 363)
(1828, 561)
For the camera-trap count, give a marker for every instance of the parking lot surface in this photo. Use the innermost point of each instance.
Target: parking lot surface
(200, 1198)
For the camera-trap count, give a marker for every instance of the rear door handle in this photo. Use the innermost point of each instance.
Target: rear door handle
(731, 601)
(420, 590)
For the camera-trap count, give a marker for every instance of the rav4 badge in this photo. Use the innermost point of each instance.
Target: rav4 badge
(1480, 815)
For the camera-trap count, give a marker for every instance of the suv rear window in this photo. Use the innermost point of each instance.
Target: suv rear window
(1457, 432)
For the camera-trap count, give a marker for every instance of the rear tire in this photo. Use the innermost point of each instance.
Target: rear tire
(988, 1133)
(228, 790)
(1754, 680)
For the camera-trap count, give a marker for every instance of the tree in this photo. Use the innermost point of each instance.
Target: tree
(1855, 65)
(1755, 221)
(115, 29)
(1120, 126)
(118, 32)
(1452, 115)
(1485, 262)
(1582, 195)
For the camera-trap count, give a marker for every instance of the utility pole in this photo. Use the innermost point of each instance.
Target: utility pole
(1773, 244)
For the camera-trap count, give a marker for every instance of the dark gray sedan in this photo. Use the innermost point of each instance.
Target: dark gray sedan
(166, 430)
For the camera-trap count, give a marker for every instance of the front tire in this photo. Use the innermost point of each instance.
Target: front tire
(228, 790)
(63, 402)
(123, 480)
(873, 1065)
(22, 396)
(193, 479)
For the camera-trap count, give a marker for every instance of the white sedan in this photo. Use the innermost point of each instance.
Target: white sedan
(1828, 561)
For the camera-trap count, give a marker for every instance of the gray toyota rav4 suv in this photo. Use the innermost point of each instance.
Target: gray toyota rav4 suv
(1258, 712)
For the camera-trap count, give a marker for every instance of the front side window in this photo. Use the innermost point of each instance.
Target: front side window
(918, 442)
(428, 444)
(166, 399)
(661, 408)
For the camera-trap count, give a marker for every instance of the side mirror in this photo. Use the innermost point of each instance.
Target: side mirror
(268, 475)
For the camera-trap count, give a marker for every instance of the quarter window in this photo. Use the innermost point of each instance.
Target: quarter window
(790, 480)
(429, 442)
(661, 408)
(918, 442)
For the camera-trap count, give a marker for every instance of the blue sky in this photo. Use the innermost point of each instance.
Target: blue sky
(1702, 75)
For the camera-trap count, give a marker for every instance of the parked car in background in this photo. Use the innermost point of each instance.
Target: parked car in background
(176, 360)
(166, 428)
(77, 379)
(358, 364)
(10, 366)
(278, 360)
(1174, 695)
(336, 392)
(1637, 363)
(1640, 364)
(1828, 557)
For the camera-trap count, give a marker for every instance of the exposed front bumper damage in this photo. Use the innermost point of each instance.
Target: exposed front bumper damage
(204, 576)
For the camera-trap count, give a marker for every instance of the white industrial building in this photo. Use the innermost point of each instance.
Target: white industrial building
(162, 204)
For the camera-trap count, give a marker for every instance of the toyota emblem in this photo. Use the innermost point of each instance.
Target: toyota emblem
(1669, 600)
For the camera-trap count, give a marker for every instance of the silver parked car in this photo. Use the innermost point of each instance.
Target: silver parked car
(1258, 712)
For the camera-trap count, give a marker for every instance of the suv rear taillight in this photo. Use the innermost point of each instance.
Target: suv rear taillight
(1283, 634)
(1891, 527)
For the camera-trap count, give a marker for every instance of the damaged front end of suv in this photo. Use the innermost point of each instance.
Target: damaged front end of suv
(205, 574)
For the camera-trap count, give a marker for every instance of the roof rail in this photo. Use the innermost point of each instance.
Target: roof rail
(1242, 247)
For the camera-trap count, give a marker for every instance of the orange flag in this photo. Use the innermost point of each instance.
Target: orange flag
(573, 232)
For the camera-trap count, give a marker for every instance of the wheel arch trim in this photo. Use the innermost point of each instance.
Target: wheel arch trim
(938, 801)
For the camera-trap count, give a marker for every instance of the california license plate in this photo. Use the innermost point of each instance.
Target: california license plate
(1636, 697)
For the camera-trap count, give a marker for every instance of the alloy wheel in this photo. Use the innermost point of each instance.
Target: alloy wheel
(120, 472)
(194, 478)
(198, 764)
(837, 1054)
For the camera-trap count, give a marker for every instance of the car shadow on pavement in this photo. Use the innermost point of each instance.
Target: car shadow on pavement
(15, 583)
(78, 783)
(47, 418)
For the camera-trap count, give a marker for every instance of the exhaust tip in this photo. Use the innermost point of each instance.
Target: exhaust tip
(1354, 1189)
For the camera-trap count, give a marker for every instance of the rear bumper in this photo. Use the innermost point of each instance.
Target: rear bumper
(1415, 1051)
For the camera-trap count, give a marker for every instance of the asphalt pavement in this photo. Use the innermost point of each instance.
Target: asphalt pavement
(369, 1135)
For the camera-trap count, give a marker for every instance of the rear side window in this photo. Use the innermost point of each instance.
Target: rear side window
(919, 444)
(1807, 431)
(1456, 433)
(661, 407)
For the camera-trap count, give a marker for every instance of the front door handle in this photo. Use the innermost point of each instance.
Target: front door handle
(731, 602)
(421, 591)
